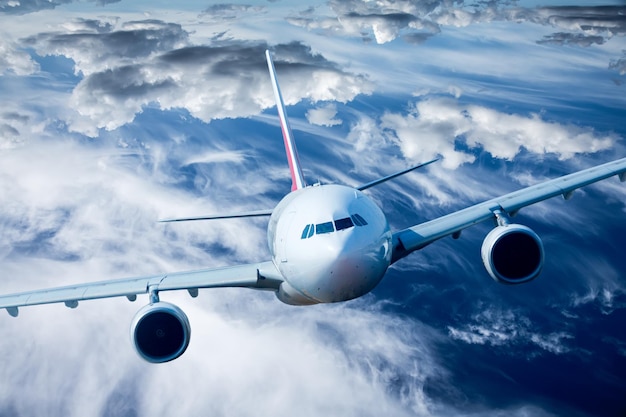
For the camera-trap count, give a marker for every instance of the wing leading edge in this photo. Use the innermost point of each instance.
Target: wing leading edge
(418, 236)
(263, 275)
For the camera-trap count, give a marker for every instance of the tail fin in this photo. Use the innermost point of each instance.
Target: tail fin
(297, 179)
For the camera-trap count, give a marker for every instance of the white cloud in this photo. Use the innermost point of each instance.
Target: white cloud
(88, 213)
(434, 126)
(496, 327)
(128, 65)
(323, 116)
(14, 60)
(79, 210)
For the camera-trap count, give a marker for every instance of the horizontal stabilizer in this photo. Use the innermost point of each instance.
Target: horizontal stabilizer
(392, 176)
(254, 213)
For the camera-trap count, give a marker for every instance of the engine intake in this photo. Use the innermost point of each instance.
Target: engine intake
(512, 254)
(160, 332)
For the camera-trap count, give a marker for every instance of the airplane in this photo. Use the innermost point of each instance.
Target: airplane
(328, 243)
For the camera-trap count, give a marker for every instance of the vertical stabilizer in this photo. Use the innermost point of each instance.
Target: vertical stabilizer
(297, 179)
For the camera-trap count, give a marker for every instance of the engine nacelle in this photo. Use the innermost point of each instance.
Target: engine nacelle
(160, 332)
(512, 254)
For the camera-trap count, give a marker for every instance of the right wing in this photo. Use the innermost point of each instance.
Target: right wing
(418, 236)
(254, 213)
(263, 275)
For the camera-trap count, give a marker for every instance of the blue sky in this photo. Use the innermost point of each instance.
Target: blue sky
(113, 115)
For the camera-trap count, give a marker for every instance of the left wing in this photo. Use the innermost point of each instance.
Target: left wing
(263, 275)
(416, 237)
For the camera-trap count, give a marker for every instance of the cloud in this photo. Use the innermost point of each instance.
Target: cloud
(14, 60)
(323, 116)
(141, 63)
(76, 209)
(435, 126)
(230, 11)
(20, 7)
(87, 213)
(100, 45)
(17, 126)
(416, 22)
(384, 20)
(619, 64)
(508, 328)
(602, 21)
(563, 38)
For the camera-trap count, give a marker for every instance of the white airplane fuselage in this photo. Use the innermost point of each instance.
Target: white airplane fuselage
(330, 243)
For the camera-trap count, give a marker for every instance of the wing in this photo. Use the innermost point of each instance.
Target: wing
(392, 176)
(416, 237)
(263, 275)
(254, 213)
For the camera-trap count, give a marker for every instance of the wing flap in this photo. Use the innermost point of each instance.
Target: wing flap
(416, 237)
(261, 275)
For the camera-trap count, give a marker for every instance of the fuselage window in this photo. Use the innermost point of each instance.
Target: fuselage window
(358, 220)
(324, 228)
(343, 223)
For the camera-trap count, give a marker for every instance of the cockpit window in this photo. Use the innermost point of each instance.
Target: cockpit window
(330, 227)
(343, 223)
(324, 228)
(358, 220)
(308, 231)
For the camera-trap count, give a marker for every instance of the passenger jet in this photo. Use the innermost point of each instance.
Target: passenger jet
(328, 243)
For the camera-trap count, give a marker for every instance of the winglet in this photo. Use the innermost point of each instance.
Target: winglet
(297, 179)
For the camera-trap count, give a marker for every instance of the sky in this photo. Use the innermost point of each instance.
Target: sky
(114, 114)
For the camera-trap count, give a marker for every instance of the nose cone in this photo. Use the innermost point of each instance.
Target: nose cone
(352, 272)
(337, 246)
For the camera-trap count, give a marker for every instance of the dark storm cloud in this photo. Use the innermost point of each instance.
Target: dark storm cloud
(19, 7)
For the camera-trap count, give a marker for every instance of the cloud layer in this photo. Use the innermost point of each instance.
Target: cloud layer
(109, 123)
(131, 65)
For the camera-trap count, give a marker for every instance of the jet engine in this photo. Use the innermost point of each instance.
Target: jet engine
(512, 254)
(160, 332)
